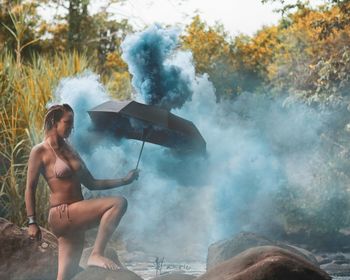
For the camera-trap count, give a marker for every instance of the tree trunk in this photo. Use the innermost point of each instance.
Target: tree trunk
(77, 13)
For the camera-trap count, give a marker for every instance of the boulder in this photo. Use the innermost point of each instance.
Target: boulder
(336, 264)
(174, 276)
(226, 249)
(23, 258)
(97, 273)
(265, 263)
(336, 269)
(109, 253)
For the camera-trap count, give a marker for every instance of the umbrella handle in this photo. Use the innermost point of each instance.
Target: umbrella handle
(145, 134)
(143, 144)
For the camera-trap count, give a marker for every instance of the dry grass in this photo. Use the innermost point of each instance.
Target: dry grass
(25, 89)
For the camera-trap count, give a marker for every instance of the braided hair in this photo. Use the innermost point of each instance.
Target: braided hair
(54, 114)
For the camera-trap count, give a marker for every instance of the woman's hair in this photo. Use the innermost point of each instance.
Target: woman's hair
(54, 114)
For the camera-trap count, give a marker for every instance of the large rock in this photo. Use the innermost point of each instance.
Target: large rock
(23, 258)
(97, 273)
(336, 269)
(226, 249)
(335, 264)
(266, 263)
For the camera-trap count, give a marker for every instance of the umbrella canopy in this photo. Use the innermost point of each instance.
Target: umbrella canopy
(134, 120)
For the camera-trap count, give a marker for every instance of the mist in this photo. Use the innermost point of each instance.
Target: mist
(180, 205)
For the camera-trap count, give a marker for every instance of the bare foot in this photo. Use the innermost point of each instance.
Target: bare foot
(101, 261)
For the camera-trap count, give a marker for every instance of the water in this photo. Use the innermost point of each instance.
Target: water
(147, 270)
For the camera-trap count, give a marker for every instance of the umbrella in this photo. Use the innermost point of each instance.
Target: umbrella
(147, 123)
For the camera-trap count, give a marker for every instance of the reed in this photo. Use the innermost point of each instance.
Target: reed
(25, 89)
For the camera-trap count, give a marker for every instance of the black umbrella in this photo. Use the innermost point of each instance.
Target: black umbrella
(153, 124)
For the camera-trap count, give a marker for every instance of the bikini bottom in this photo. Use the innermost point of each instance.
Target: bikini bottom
(59, 220)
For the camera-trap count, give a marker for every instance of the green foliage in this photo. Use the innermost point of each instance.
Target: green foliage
(306, 57)
(295, 59)
(25, 91)
(328, 25)
(215, 54)
(18, 28)
(26, 83)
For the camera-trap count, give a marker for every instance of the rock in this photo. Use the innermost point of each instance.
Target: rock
(266, 263)
(23, 258)
(321, 242)
(174, 276)
(109, 253)
(337, 269)
(226, 249)
(324, 261)
(339, 257)
(135, 256)
(299, 251)
(341, 261)
(97, 273)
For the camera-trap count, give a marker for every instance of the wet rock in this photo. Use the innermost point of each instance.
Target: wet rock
(23, 258)
(339, 257)
(266, 263)
(299, 251)
(337, 269)
(324, 261)
(341, 261)
(321, 242)
(97, 273)
(135, 257)
(226, 249)
(109, 253)
(174, 276)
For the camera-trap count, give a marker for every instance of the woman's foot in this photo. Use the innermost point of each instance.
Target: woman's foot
(101, 261)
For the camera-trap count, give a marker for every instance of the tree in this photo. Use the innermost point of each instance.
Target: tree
(337, 21)
(216, 54)
(18, 28)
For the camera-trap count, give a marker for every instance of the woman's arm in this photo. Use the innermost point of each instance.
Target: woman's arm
(33, 172)
(104, 184)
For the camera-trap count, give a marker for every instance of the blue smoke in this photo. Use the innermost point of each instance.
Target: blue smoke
(154, 76)
(80, 93)
(254, 146)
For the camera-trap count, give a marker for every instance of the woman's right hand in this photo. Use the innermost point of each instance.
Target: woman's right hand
(34, 232)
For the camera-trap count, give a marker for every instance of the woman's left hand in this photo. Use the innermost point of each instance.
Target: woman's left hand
(132, 175)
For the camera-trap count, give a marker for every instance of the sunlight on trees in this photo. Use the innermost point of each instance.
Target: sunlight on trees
(305, 58)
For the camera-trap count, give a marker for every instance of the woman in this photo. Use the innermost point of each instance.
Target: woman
(70, 215)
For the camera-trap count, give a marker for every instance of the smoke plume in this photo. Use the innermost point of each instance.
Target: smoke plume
(180, 205)
(154, 76)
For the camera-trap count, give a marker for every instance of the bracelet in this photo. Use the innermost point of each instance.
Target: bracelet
(31, 220)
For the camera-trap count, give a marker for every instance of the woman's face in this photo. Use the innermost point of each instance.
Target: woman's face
(65, 124)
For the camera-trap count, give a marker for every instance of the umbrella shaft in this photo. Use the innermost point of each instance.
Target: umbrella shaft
(137, 165)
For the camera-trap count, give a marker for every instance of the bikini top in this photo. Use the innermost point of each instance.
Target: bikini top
(61, 168)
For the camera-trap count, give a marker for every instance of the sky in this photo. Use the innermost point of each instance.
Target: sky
(237, 16)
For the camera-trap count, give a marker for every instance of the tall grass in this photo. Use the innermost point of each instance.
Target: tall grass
(25, 89)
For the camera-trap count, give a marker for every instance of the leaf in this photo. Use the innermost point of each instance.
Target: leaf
(29, 43)
(10, 30)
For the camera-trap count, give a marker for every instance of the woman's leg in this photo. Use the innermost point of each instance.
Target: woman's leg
(70, 248)
(107, 212)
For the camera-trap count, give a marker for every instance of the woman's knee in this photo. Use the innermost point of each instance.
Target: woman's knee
(121, 204)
